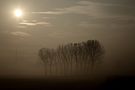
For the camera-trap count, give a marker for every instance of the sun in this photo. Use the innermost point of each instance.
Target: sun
(18, 13)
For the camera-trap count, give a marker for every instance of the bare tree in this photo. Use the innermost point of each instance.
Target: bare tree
(79, 55)
(44, 55)
(95, 51)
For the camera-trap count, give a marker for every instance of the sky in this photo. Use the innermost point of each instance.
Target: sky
(48, 23)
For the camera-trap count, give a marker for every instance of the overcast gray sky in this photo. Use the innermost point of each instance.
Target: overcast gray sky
(48, 23)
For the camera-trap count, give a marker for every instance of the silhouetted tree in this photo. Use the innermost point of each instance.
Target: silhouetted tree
(44, 54)
(79, 55)
(95, 51)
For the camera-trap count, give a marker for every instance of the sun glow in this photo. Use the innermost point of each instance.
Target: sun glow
(18, 13)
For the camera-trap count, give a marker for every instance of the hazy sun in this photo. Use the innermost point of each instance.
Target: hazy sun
(18, 13)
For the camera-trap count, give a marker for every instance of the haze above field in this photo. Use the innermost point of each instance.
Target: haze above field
(48, 23)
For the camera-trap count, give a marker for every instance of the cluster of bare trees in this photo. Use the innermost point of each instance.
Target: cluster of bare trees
(73, 58)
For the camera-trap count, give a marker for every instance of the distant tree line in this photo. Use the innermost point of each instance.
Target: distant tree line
(73, 58)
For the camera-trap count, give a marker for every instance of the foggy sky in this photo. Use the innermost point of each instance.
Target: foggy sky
(48, 23)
